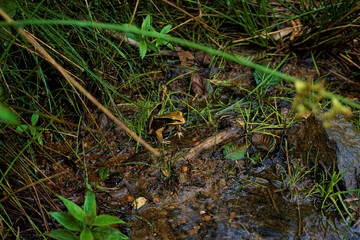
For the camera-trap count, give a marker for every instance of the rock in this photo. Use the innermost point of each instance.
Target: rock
(337, 147)
(347, 139)
(310, 143)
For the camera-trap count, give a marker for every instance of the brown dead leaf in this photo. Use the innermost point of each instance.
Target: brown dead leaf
(203, 58)
(198, 84)
(186, 58)
(294, 27)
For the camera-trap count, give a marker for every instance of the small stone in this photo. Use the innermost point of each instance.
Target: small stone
(139, 202)
(222, 182)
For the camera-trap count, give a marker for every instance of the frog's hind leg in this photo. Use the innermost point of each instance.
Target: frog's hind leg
(159, 136)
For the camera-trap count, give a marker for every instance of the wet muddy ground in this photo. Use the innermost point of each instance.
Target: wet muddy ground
(201, 195)
(206, 197)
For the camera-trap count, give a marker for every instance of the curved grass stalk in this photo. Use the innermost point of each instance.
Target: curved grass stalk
(131, 29)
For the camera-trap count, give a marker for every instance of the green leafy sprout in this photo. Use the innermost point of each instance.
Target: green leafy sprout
(332, 197)
(34, 130)
(104, 173)
(265, 80)
(82, 223)
(144, 44)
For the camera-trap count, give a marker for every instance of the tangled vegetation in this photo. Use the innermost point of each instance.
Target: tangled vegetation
(64, 65)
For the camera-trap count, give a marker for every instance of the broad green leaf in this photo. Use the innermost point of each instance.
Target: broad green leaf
(22, 128)
(40, 140)
(67, 220)
(236, 155)
(151, 29)
(166, 29)
(146, 23)
(104, 220)
(33, 132)
(74, 209)
(160, 42)
(108, 233)
(90, 206)
(104, 173)
(86, 234)
(233, 153)
(34, 119)
(62, 234)
(8, 116)
(170, 46)
(142, 48)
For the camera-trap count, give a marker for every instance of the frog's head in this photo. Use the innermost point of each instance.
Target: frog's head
(175, 118)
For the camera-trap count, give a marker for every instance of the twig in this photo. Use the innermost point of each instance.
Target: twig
(211, 141)
(273, 202)
(299, 215)
(287, 158)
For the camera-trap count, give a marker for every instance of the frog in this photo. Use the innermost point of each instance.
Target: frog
(160, 123)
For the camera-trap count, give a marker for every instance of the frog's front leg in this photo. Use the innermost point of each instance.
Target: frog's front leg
(178, 131)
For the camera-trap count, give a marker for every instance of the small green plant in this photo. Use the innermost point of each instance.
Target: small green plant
(34, 130)
(264, 80)
(144, 43)
(104, 173)
(82, 223)
(329, 191)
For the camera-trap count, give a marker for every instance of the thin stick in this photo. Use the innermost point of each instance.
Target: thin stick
(273, 202)
(299, 215)
(287, 158)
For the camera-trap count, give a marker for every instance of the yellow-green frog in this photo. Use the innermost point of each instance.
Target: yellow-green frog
(160, 123)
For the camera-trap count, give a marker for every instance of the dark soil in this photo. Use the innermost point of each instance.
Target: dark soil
(202, 197)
